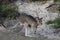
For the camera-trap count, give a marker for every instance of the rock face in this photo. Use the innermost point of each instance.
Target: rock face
(52, 8)
(36, 10)
(10, 25)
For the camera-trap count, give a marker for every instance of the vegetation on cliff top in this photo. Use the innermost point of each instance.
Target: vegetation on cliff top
(8, 10)
(56, 23)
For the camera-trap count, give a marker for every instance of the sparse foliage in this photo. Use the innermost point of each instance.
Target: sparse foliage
(56, 0)
(38, 0)
(8, 11)
(56, 23)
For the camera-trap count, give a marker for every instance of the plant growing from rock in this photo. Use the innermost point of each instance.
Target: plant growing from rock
(8, 11)
(56, 23)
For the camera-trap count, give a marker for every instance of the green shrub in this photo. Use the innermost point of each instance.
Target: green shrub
(9, 8)
(49, 22)
(59, 8)
(8, 11)
(56, 22)
(38, 0)
(56, 0)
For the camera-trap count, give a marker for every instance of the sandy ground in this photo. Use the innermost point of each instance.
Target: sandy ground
(5, 35)
(19, 36)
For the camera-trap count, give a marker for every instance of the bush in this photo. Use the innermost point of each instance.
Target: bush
(8, 11)
(56, 0)
(49, 22)
(38, 0)
(56, 22)
(7, 1)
